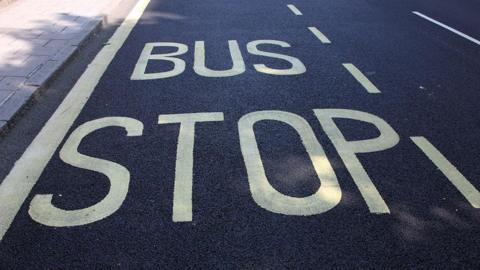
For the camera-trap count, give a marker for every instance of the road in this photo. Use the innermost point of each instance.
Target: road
(259, 135)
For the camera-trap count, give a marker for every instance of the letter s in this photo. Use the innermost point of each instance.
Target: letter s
(297, 66)
(41, 208)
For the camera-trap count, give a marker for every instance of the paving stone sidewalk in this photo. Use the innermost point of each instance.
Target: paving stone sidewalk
(36, 38)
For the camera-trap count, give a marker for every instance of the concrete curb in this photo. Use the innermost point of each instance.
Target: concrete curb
(42, 76)
(49, 69)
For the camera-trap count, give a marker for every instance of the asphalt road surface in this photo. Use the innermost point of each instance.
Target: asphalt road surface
(261, 135)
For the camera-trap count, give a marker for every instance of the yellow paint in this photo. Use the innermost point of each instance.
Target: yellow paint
(348, 150)
(139, 72)
(263, 193)
(182, 194)
(297, 66)
(451, 172)
(41, 208)
(238, 66)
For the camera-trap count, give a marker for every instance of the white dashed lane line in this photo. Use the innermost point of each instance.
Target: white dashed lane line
(447, 27)
(294, 9)
(319, 35)
(362, 79)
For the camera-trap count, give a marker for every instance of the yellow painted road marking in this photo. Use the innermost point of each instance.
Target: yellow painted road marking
(458, 180)
(182, 191)
(264, 194)
(348, 150)
(362, 79)
(297, 67)
(140, 70)
(41, 208)
(238, 66)
(294, 9)
(447, 27)
(319, 35)
(26, 171)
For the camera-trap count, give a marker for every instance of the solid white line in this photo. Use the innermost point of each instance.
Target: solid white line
(362, 79)
(458, 180)
(294, 9)
(319, 35)
(447, 27)
(24, 175)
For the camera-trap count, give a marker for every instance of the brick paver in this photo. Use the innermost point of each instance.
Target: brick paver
(36, 38)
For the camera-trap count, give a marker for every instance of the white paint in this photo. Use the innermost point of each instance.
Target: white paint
(41, 208)
(139, 72)
(24, 175)
(362, 79)
(294, 9)
(297, 66)
(327, 196)
(182, 194)
(238, 66)
(447, 27)
(319, 35)
(451, 172)
(348, 150)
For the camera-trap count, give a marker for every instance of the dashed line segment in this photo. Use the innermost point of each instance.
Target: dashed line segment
(319, 35)
(362, 79)
(294, 9)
